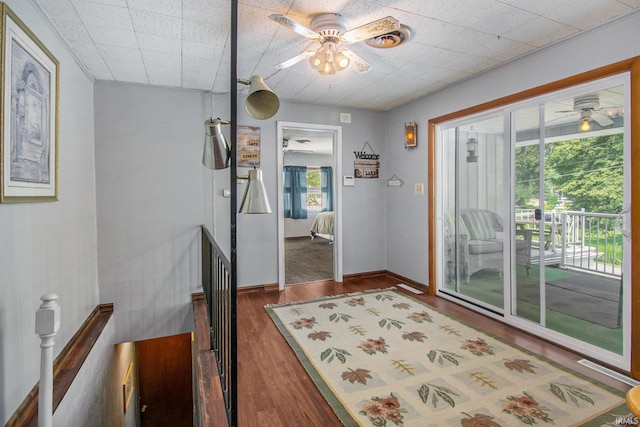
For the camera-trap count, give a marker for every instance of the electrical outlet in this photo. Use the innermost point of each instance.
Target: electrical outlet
(419, 189)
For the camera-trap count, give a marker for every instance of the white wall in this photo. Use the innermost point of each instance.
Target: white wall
(152, 195)
(364, 216)
(406, 213)
(95, 396)
(49, 247)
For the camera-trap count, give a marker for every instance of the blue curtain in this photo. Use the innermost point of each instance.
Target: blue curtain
(326, 176)
(295, 192)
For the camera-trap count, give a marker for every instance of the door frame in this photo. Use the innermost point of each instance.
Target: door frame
(337, 195)
(632, 66)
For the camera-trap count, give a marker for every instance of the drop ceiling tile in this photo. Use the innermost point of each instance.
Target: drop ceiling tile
(587, 13)
(119, 3)
(60, 10)
(112, 36)
(156, 43)
(461, 13)
(73, 31)
(309, 8)
(162, 7)
(203, 32)
(503, 20)
(539, 32)
(86, 49)
(104, 15)
(254, 19)
(153, 23)
(201, 50)
(125, 67)
(432, 32)
(450, 41)
(539, 7)
(157, 59)
(207, 67)
(206, 10)
(162, 76)
(119, 53)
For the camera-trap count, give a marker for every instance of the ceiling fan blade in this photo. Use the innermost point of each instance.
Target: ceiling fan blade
(601, 119)
(289, 62)
(357, 62)
(293, 25)
(372, 29)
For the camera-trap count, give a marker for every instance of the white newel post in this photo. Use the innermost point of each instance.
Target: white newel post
(47, 325)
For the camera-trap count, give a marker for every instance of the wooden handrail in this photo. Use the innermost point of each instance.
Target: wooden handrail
(210, 399)
(65, 367)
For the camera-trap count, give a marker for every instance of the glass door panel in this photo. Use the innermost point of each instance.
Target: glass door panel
(472, 218)
(569, 194)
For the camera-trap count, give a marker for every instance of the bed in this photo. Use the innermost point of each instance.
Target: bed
(323, 226)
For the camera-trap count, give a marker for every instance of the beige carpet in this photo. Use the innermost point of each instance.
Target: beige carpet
(384, 358)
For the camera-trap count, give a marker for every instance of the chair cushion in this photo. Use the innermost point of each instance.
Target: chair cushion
(485, 246)
(480, 225)
(462, 228)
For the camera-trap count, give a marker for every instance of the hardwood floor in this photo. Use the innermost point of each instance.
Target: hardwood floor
(275, 390)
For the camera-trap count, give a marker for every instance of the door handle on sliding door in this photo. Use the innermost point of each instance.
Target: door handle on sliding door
(620, 223)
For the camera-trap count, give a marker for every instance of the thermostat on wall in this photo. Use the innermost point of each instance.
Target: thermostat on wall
(349, 181)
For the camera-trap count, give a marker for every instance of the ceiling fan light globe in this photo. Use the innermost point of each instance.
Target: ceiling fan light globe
(585, 127)
(341, 60)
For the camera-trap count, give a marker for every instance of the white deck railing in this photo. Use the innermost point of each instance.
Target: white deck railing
(577, 239)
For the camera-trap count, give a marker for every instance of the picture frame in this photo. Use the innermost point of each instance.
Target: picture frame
(127, 387)
(29, 97)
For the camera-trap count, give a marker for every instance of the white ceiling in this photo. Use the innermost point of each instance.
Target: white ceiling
(185, 43)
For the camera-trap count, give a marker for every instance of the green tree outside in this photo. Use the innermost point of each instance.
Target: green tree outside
(588, 172)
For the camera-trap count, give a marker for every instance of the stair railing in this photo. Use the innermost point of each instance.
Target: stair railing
(221, 308)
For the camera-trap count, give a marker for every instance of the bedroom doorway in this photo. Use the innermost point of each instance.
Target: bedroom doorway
(309, 198)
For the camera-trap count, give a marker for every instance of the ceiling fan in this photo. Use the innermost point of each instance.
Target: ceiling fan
(588, 106)
(330, 31)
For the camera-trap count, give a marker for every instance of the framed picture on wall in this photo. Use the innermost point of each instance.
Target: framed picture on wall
(127, 387)
(29, 140)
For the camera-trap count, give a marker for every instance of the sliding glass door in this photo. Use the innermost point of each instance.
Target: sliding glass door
(531, 213)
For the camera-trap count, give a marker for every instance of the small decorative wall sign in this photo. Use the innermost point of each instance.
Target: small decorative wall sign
(248, 146)
(366, 164)
(29, 117)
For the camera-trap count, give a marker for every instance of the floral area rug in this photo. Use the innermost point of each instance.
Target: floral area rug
(384, 358)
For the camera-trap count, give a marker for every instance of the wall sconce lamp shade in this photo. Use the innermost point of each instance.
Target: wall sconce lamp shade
(254, 200)
(261, 102)
(410, 134)
(472, 150)
(217, 151)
